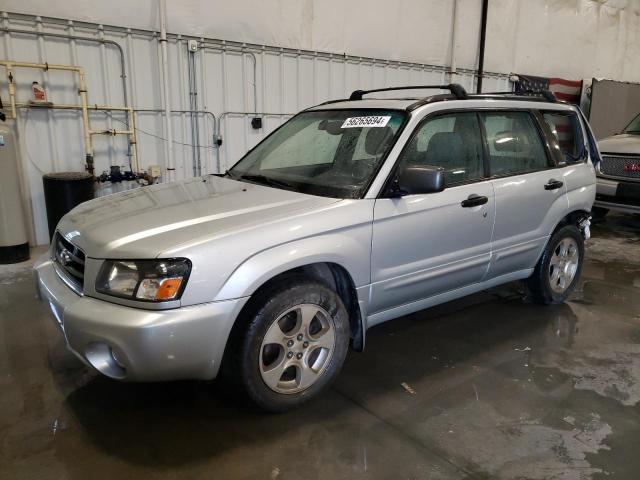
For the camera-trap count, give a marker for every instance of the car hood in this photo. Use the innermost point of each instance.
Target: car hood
(146, 221)
(624, 143)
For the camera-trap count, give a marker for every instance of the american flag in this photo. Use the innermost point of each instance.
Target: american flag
(567, 90)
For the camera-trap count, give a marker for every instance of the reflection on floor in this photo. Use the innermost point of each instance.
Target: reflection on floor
(487, 387)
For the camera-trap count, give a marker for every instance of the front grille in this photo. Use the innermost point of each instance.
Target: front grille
(621, 165)
(70, 261)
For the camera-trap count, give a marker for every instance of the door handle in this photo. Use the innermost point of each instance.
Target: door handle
(553, 184)
(474, 200)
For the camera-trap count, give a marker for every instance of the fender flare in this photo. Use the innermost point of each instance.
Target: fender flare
(334, 248)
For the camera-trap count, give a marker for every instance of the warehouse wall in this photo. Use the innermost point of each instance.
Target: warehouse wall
(409, 43)
(570, 38)
(235, 82)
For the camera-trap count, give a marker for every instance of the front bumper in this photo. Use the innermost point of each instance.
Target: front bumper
(139, 345)
(615, 194)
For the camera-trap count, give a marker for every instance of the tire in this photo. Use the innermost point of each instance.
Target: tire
(557, 274)
(291, 344)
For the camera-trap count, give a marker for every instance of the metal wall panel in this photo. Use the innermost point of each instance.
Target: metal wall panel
(235, 82)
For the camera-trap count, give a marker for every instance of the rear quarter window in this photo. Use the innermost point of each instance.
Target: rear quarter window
(567, 130)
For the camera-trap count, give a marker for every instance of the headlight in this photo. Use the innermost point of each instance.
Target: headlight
(146, 280)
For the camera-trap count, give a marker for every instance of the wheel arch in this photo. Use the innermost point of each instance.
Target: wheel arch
(572, 218)
(330, 272)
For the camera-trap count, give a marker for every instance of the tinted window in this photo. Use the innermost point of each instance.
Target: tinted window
(514, 143)
(634, 127)
(568, 132)
(452, 142)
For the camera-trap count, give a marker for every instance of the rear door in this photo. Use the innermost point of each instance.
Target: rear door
(578, 172)
(530, 190)
(425, 245)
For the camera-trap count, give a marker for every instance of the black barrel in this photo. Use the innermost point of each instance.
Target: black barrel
(62, 192)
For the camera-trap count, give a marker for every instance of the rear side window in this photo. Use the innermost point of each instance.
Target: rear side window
(515, 146)
(452, 142)
(566, 128)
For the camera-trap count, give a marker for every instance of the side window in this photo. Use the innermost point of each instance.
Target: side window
(515, 145)
(568, 132)
(452, 142)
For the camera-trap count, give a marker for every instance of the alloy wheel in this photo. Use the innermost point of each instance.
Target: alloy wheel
(564, 264)
(297, 348)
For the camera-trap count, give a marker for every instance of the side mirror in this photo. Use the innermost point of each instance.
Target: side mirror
(417, 179)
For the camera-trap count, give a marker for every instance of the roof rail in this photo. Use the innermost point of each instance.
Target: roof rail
(535, 95)
(456, 89)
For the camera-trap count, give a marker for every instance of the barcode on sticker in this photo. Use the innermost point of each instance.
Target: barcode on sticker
(371, 121)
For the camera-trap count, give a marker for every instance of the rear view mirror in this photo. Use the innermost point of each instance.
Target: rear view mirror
(508, 142)
(331, 127)
(417, 179)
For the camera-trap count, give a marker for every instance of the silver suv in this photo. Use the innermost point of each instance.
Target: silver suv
(619, 172)
(352, 213)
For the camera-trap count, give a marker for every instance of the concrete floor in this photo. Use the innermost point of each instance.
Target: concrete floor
(486, 387)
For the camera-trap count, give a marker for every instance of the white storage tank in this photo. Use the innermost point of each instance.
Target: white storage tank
(14, 245)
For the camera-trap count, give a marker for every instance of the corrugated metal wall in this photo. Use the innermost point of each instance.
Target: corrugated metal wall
(234, 82)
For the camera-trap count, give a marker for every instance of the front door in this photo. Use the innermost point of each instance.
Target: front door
(425, 245)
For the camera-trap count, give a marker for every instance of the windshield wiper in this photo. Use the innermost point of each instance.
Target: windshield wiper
(272, 182)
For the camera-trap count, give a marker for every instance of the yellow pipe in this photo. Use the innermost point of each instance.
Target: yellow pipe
(44, 66)
(84, 107)
(12, 93)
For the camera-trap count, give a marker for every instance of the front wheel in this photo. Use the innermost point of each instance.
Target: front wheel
(293, 346)
(559, 267)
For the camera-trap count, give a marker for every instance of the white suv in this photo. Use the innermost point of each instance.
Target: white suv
(619, 172)
(352, 213)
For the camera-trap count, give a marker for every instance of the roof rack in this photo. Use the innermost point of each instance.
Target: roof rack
(532, 95)
(456, 89)
(457, 93)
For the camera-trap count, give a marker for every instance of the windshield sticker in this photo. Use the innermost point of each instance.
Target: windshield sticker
(372, 121)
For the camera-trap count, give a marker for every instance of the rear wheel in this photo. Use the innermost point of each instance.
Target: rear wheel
(559, 267)
(293, 346)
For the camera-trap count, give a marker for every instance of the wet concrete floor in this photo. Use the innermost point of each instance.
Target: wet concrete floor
(490, 386)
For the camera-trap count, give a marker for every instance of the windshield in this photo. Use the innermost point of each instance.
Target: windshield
(331, 153)
(633, 127)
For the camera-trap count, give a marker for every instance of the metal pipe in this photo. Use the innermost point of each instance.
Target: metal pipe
(113, 43)
(483, 37)
(452, 57)
(218, 129)
(82, 91)
(237, 46)
(196, 123)
(12, 92)
(165, 88)
(203, 101)
(158, 110)
(244, 51)
(88, 147)
(51, 127)
(130, 121)
(133, 141)
(105, 88)
(110, 131)
(192, 106)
